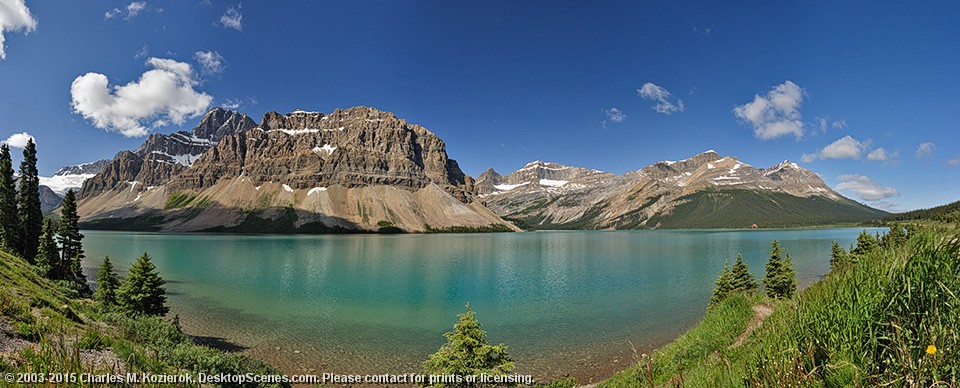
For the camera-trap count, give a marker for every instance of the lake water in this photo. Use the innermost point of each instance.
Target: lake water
(572, 303)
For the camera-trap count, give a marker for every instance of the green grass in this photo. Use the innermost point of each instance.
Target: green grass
(868, 324)
(176, 200)
(61, 326)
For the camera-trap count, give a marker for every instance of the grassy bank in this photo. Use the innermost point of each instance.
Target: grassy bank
(45, 328)
(891, 318)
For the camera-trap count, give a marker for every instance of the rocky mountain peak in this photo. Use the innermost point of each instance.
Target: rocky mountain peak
(219, 122)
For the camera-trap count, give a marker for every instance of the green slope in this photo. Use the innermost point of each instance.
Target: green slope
(890, 319)
(949, 212)
(46, 329)
(742, 208)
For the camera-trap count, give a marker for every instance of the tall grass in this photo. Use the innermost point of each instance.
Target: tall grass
(873, 323)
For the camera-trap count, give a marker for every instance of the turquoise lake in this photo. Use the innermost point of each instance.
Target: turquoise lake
(572, 303)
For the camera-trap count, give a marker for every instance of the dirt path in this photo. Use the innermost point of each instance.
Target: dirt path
(760, 312)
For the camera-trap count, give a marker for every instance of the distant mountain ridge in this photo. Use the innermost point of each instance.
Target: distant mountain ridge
(361, 169)
(544, 195)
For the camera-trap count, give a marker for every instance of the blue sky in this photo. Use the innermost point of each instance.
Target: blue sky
(850, 92)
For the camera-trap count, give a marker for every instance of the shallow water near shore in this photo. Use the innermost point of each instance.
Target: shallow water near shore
(566, 303)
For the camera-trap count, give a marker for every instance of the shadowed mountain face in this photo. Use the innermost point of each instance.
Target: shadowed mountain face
(353, 169)
(724, 191)
(162, 157)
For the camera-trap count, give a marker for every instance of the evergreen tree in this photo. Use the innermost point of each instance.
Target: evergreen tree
(48, 255)
(142, 291)
(107, 283)
(896, 237)
(838, 257)
(28, 203)
(743, 280)
(70, 238)
(724, 286)
(468, 353)
(865, 243)
(9, 221)
(780, 280)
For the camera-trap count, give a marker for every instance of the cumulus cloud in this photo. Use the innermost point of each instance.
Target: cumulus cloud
(615, 115)
(865, 188)
(232, 18)
(775, 114)
(925, 150)
(666, 102)
(14, 16)
(881, 154)
(844, 148)
(163, 95)
(131, 10)
(19, 140)
(211, 62)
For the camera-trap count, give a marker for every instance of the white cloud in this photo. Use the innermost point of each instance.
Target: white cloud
(132, 10)
(19, 140)
(954, 162)
(844, 148)
(881, 154)
(161, 96)
(865, 188)
(232, 18)
(14, 16)
(925, 150)
(144, 51)
(667, 103)
(776, 114)
(211, 62)
(839, 124)
(615, 115)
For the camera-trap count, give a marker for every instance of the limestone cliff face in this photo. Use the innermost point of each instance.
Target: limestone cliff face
(162, 156)
(358, 169)
(355, 147)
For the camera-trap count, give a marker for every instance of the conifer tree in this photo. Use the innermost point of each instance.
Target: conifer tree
(9, 220)
(142, 291)
(780, 280)
(48, 255)
(467, 352)
(28, 203)
(895, 237)
(70, 238)
(865, 243)
(107, 283)
(838, 257)
(724, 285)
(742, 279)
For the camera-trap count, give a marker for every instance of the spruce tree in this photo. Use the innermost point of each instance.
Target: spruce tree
(48, 255)
(743, 280)
(107, 283)
(142, 291)
(895, 237)
(865, 243)
(724, 286)
(9, 221)
(70, 238)
(838, 257)
(28, 203)
(467, 352)
(780, 280)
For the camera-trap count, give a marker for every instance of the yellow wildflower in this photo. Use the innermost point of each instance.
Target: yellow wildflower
(932, 349)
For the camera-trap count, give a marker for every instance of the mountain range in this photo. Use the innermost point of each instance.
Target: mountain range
(361, 169)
